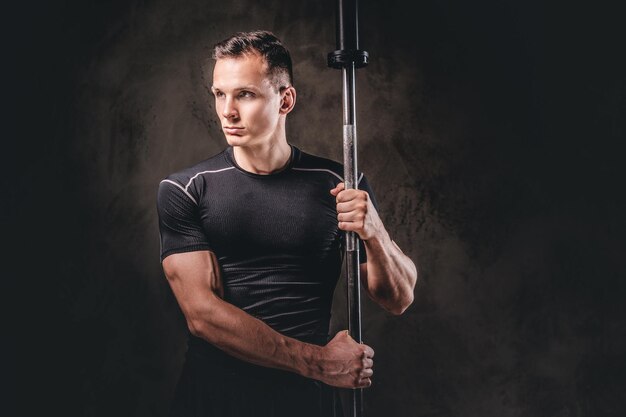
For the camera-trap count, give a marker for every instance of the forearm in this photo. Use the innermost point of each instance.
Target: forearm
(196, 282)
(248, 338)
(390, 276)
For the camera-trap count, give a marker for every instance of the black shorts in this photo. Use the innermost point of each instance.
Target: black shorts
(213, 384)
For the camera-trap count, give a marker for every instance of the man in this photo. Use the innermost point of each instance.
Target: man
(251, 247)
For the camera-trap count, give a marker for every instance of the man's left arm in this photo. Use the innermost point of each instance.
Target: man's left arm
(388, 276)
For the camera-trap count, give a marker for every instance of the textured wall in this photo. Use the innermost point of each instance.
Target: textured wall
(490, 133)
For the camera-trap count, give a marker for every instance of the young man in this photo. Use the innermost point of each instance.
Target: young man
(251, 247)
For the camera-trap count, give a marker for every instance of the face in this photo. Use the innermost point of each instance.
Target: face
(250, 108)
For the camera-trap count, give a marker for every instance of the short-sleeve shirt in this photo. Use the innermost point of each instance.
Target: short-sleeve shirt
(276, 236)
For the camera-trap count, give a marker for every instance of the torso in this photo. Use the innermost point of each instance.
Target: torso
(275, 237)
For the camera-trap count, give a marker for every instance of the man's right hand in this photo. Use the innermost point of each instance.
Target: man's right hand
(345, 363)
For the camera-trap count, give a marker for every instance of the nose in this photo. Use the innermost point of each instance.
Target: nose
(229, 110)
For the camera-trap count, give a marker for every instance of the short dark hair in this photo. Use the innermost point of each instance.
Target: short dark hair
(266, 44)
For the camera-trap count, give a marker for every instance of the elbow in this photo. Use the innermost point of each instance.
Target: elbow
(395, 302)
(404, 294)
(400, 306)
(204, 330)
(196, 327)
(198, 324)
(201, 323)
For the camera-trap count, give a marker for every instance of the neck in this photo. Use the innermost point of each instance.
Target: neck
(264, 159)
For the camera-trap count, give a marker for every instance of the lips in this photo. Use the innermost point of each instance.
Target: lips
(233, 130)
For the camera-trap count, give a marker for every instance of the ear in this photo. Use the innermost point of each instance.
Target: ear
(288, 99)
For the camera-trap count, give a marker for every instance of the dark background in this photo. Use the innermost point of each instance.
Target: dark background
(491, 131)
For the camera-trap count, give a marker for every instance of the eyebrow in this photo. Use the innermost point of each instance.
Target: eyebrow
(245, 87)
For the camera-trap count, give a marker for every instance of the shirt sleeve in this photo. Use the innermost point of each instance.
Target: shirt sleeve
(180, 228)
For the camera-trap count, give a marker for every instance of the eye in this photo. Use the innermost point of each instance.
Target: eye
(246, 94)
(218, 94)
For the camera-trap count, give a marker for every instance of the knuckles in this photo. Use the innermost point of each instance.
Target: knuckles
(352, 194)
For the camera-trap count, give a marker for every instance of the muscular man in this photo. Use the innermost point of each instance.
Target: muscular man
(251, 245)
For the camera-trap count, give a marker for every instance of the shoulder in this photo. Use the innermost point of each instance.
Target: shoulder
(183, 177)
(189, 181)
(310, 162)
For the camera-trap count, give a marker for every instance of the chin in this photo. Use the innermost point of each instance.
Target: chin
(235, 140)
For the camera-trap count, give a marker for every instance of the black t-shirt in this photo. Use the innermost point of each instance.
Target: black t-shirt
(275, 236)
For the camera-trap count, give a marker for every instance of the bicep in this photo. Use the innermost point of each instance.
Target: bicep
(195, 280)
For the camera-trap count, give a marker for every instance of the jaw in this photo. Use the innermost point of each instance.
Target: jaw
(269, 139)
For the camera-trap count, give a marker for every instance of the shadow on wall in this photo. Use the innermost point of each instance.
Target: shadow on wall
(474, 122)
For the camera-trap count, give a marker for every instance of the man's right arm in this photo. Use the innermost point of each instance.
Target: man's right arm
(196, 282)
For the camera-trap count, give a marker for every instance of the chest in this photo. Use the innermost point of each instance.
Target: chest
(291, 215)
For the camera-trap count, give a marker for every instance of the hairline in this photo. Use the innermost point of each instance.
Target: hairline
(260, 43)
(277, 77)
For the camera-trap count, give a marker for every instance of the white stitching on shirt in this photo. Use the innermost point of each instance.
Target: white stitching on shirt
(326, 170)
(320, 170)
(193, 178)
(206, 172)
(184, 190)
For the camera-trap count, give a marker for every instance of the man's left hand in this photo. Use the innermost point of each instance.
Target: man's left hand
(355, 212)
